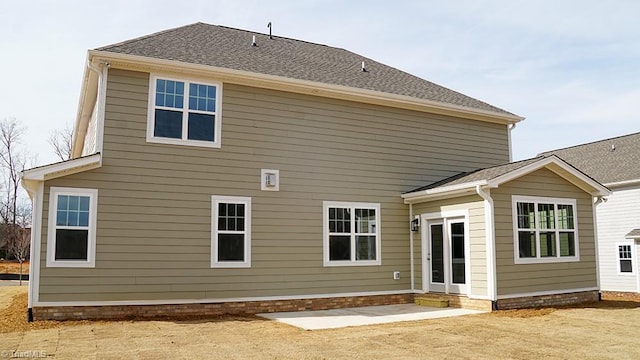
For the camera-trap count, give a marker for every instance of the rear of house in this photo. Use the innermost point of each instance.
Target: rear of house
(267, 179)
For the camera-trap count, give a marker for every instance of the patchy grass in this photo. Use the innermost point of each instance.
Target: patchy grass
(604, 330)
(13, 267)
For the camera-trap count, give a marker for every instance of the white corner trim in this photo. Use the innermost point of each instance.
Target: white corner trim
(219, 300)
(91, 231)
(246, 201)
(543, 293)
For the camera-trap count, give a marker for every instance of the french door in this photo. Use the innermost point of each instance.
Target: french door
(446, 255)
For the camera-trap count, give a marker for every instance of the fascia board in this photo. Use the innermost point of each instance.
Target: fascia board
(53, 171)
(117, 60)
(442, 192)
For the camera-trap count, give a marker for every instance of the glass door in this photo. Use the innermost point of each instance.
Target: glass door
(446, 256)
(458, 258)
(436, 257)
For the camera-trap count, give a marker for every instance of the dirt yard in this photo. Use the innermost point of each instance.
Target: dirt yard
(13, 267)
(607, 330)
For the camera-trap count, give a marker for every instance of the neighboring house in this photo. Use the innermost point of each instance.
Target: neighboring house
(219, 170)
(614, 163)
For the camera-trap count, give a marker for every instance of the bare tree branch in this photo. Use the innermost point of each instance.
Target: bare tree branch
(61, 142)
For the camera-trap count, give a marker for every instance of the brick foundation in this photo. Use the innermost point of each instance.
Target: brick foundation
(620, 295)
(548, 300)
(112, 312)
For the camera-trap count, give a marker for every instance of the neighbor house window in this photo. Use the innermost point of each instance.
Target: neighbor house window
(545, 229)
(184, 112)
(71, 239)
(351, 233)
(625, 258)
(230, 231)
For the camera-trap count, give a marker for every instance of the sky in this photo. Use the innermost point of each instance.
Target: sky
(571, 68)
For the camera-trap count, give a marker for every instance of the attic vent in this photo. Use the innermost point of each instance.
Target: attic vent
(364, 69)
(269, 26)
(613, 147)
(253, 42)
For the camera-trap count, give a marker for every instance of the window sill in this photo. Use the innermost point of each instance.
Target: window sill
(547, 260)
(196, 143)
(351, 263)
(230, 265)
(70, 264)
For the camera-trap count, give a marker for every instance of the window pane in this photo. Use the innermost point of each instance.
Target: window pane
(625, 266)
(567, 244)
(437, 253)
(63, 202)
(230, 247)
(339, 247)
(202, 97)
(339, 220)
(61, 218)
(457, 253)
(527, 244)
(365, 247)
(547, 244)
(168, 124)
(169, 93)
(84, 203)
(565, 216)
(526, 215)
(546, 216)
(365, 221)
(201, 127)
(71, 244)
(74, 203)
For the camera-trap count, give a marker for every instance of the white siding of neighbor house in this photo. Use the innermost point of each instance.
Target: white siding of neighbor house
(615, 218)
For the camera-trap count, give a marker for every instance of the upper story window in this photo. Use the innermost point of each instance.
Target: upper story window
(545, 229)
(184, 112)
(351, 233)
(71, 239)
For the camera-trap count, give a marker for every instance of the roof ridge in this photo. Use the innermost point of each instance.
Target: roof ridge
(589, 143)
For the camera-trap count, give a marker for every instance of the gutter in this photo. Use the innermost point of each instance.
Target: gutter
(599, 200)
(490, 234)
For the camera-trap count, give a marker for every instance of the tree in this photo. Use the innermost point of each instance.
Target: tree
(61, 140)
(14, 218)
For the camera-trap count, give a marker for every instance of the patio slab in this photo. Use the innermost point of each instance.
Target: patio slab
(367, 315)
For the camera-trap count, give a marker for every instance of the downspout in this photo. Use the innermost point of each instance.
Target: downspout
(599, 199)
(510, 128)
(413, 287)
(490, 235)
(32, 189)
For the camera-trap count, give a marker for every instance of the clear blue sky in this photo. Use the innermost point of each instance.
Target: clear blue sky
(572, 68)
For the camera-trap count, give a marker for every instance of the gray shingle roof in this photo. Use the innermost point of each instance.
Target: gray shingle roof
(608, 161)
(231, 48)
(478, 175)
(635, 233)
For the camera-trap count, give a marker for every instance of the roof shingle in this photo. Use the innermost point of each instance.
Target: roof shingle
(231, 48)
(608, 161)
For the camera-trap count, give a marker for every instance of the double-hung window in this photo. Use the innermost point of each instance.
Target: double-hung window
(545, 229)
(351, 233)
(230, 231)
(625, 258)
(184, 112)
(71, 239)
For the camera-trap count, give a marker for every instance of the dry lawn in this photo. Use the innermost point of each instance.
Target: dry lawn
(13, 267)
(607, 330)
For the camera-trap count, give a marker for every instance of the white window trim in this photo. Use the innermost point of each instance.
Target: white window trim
(91, 236)
(215, 200)
(325, 226)
(633, 258)
(514, 223)
(217, 128)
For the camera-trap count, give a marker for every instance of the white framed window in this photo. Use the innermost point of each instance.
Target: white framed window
(351, 233)
(625, 258)
(71, 235)
(184, 112)
(230, 231)
(545, 229)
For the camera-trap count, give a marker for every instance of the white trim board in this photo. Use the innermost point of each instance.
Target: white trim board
(219, 300)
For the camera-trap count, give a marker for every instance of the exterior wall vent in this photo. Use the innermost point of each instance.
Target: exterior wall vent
(270, 180)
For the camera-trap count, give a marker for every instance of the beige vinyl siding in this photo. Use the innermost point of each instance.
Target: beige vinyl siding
(154, 203)
(477, 238)
(528, 278)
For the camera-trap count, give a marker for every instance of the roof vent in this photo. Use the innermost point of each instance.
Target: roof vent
(269, 26)
(364, 69)
(613, 147)
(253, 42)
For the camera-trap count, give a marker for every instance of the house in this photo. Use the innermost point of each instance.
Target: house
(613, 162)
(219, 170)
